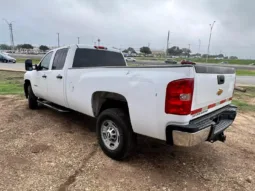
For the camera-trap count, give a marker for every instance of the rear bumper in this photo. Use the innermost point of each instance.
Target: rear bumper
(206, 128)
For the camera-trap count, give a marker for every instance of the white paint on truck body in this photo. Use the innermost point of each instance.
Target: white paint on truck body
(143, 88)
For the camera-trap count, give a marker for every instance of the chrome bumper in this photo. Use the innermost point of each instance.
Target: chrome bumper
(206, 128)
(186, 139)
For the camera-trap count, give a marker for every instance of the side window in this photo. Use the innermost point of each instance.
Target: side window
(59, 59)
(45, 63)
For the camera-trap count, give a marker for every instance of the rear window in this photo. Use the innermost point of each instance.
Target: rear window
(93, 58)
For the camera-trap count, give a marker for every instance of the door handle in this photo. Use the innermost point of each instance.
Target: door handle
(221, 79)
(44, 76)
(59, 76)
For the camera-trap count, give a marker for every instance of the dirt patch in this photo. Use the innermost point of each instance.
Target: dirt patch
(46, 150)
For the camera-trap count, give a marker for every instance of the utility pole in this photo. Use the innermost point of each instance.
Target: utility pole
(199, 44)
(211, 28)
(11, 33)
(167, 42)
(98, 40)
(149, 45)
(78, 40)
(58, 38)
(189, 49)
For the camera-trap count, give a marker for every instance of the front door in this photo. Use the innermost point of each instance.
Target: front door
(41, 77)
(56, 79)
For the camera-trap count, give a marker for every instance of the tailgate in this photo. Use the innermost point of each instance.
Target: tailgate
(213, 89)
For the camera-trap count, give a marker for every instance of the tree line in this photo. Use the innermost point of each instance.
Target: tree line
(23, 46)
(144, 49)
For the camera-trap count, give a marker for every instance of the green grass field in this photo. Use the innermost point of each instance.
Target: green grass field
(22, 60)
(245, 100)
(11, 82)
(245, 72)
(203, 60)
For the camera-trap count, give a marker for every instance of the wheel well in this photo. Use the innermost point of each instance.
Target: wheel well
(105, 100)
(26, 84)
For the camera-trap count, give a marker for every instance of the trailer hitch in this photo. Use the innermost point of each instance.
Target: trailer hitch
(220, 137)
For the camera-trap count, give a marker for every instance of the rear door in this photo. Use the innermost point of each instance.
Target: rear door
(56, 78)
(41, 77)
(213, 88)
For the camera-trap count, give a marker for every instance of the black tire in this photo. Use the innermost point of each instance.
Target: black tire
(32, 99)
(5, 61)
(127, 138)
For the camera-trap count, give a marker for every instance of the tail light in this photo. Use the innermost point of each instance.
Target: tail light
(179, 96)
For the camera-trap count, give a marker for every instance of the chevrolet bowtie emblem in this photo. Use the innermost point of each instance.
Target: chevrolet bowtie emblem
(219, 92)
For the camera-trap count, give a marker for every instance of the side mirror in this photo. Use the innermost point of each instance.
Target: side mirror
(28, 65)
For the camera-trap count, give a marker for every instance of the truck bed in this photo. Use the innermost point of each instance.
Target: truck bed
(198, 68)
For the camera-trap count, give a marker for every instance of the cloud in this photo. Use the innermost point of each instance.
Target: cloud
(124, 23)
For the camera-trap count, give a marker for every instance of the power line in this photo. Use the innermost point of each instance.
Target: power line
(11, 33)
(199, 44)
(167, 42)
(211, 27)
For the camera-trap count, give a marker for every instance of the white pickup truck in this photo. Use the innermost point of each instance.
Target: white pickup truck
(182, 105)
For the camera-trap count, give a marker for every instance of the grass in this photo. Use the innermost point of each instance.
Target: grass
(22, 60)
(11, 83)
(245, 101)
(203, 60)
(245, 72)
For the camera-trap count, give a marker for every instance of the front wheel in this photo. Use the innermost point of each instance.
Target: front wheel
(114, 133)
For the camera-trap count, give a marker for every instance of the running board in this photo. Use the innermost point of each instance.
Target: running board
(53, 106)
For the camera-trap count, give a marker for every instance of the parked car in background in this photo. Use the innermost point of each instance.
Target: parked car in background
(170, 61)
(6, 58)
(130, 59)
(188, 62)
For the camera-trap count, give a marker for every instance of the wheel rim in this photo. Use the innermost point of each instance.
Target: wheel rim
(110, 134)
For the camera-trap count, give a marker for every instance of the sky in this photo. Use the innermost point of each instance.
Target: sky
(134, 23)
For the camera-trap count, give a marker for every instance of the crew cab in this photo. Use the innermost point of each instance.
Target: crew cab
(183, 105)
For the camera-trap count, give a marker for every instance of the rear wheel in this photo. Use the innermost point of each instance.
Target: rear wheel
(32, 99)
(115, 135)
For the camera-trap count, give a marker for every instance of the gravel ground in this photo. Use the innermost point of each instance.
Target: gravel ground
(46, 150)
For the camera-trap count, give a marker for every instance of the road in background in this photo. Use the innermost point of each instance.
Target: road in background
(12, 66)
(32, 56)
(145, 62)
(156, 62)
(245, 80)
